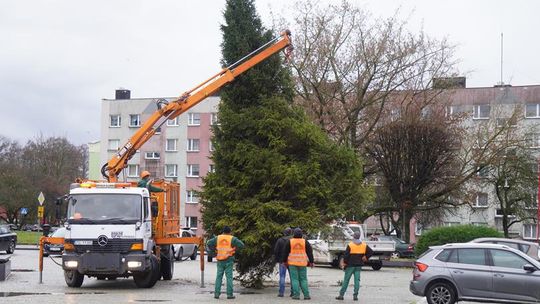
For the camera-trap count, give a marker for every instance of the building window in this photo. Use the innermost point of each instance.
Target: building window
(532, 110)
(529, 231)
(533, 140)
(134, 120)
(418, 229)
(506, 122)
(453, 110)
(151, 155)
(211, 168)
(192, 170)
(115, 121)
(193, 145)
(172, 122)
(481, 111)
(481, 200)
(191, 222)
(171, 170)
(133, 170)
(170, 145)
(210, 146)
(483, 171)
(194, 119)
(499, 213)
(192, 197)
(214, 119)
(114, 144)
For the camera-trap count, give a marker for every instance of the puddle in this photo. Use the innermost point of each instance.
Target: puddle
(15, 294)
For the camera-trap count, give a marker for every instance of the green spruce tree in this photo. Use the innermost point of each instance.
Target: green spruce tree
(273, 168)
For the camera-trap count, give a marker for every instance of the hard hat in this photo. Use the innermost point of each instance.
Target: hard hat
(145, 174)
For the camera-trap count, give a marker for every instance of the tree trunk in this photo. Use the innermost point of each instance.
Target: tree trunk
(406, 223)
(505, 225)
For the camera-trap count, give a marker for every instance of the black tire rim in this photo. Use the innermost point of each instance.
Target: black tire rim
(11, 247)
(440, 295)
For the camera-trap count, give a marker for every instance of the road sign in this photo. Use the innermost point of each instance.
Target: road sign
(41, 198)
(24, 211)
(40, 211)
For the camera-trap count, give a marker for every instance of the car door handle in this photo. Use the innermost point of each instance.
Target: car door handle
(458, 271)
(498, 275)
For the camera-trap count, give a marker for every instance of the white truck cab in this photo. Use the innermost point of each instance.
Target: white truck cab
(109, 233)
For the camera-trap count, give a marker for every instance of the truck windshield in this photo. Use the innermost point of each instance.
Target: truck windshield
(112, 208)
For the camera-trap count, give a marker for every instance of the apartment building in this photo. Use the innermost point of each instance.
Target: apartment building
(179, 151)
(489, 105)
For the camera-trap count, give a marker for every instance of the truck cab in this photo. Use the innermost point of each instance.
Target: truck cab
(109, 234)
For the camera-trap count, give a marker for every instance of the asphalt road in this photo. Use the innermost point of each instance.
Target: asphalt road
(388, 285)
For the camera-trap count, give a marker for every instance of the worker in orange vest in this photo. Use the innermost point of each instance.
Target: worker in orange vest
(297, 255)
(356, 254)
(224, 247)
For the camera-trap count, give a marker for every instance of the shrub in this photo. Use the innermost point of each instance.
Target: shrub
(453, 234)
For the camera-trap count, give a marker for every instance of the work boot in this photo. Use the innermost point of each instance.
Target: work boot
(340, 297)
(280, 295)
(307, 298)
(355, 298)
(231, 297)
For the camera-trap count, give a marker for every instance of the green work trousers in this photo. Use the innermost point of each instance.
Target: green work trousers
(299, 280)
(349, 271)
(226, 267)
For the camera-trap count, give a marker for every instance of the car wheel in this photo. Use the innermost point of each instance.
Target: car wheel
(148, 279)
(11, 247)
(395, 255)
(193, 257)
(441, 293)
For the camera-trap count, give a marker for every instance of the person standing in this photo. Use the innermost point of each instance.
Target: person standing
(143, 183)
(278, 252)
(356, 254)
(224, 247)
(297, 255)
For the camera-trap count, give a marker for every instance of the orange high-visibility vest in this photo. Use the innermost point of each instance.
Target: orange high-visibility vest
(224, 247)
(298, 256)
(357, 248)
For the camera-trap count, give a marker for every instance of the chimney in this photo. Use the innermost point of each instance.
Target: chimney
(122, 93)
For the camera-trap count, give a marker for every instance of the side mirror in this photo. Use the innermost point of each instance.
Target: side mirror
(529, 268)
(154, 208)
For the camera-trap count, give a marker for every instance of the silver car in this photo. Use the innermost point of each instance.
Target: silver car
(476, 272)
(184, 251)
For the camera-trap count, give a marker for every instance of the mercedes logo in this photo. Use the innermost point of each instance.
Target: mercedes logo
(102, 240)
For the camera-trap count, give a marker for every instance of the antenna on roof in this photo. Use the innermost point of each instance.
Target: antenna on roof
(502, 45)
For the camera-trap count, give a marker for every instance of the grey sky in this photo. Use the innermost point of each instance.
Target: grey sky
(59, 58)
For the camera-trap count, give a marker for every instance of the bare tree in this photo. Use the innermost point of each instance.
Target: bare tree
(348, 66)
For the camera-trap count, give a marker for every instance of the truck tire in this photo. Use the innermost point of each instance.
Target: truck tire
(167, 263)
(148, 279)
(73, 278)
(376, 265)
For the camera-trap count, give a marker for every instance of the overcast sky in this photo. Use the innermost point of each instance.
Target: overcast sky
(58, 59)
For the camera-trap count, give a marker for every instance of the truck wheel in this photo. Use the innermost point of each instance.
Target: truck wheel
(11, 247)
(148, 279)
(73, 278)
(376, 265)
(193, 257)
(167, 263)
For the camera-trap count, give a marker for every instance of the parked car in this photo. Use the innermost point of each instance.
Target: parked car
(182, 251)
(8, 239)
(529, 248)
(55, 249)
(403, 249)
(480, 272)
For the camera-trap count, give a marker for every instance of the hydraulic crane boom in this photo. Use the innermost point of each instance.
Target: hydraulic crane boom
(170, 110)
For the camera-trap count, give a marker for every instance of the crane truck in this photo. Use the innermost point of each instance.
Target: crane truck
(116, 229)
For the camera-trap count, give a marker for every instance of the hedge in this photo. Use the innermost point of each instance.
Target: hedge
(453, 234)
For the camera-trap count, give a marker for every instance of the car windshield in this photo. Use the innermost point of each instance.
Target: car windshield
(113, 208)
(59, 233)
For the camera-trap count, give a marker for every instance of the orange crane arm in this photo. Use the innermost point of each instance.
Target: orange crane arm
(189, 99)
